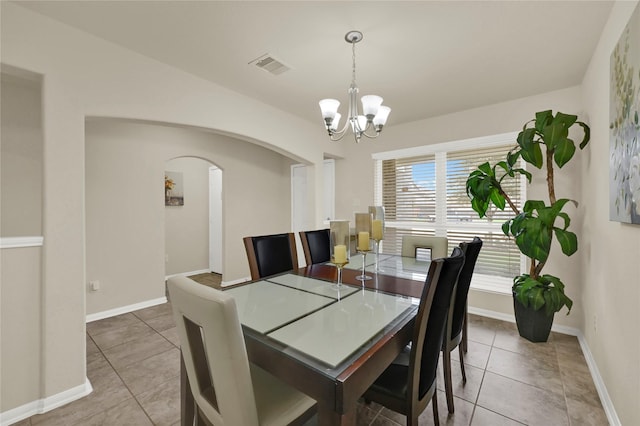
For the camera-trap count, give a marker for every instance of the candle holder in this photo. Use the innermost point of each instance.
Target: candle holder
(377, 230)
(339, 247)
(363, 242)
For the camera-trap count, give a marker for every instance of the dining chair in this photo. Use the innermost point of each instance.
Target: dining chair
(271, 254)
(227, 389)
(409, 383)
(315, 245)
(456, 330)
(411, 243)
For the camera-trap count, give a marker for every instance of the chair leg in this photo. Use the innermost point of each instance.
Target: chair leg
(465, 323)
(448, 385)
(434, 404)
(464, 374)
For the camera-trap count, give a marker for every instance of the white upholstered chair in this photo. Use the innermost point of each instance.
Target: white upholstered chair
(437, 245)
(227, 389)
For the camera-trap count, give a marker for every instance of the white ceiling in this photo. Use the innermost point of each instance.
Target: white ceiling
(426, 58)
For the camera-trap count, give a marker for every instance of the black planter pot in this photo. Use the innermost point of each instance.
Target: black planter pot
(534, 326)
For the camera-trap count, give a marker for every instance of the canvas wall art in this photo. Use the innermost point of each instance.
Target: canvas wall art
(624, 133)
(173, 189)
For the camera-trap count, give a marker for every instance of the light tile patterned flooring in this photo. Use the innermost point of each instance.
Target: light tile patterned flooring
(133, 366)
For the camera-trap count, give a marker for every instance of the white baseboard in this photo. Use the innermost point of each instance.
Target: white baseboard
(492, 314)
(46, 404)
(510, 318)
(125, 309)
(605, 399)
(238, 281)
(20, 242)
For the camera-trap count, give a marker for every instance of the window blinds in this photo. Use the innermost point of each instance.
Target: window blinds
(426, 195)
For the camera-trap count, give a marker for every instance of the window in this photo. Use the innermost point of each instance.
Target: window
(423, 191)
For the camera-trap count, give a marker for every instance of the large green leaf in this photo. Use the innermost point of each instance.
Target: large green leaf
(533, 238)
(542, 119)
(525, 173)
(512, 157)
(486, 168)
(560, 203)
(497, 198)
(587, 134)
(536, 298)
(547, 291)
(529, 149)
(564, 151)
(479, 206)
(566, 120)
(547, 217)
(568, 241)
(531, 205)
(554, 134)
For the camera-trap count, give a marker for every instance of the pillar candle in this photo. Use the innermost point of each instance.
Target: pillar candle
(363, 241)
(376, 229)
(340, 254)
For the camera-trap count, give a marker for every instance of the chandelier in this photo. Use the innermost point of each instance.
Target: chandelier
(374, 114)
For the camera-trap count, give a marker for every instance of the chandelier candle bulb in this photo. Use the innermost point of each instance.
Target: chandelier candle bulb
(363, 241)
(376, 229)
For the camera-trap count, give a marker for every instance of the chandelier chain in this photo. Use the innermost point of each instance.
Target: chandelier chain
(353, 57)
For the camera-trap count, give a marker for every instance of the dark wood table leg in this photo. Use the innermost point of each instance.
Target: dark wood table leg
(328, 417)
(187, 403)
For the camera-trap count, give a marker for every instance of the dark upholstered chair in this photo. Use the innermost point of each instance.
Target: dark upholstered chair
(271, 254)
(457, 324)
(409, 383)
(227, 389)
(315, 245)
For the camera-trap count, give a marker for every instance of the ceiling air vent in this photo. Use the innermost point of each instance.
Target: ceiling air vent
(270, 64)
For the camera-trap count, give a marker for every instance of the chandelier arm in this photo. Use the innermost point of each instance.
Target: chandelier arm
(371, 136)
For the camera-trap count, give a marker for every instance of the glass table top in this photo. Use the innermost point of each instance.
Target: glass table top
(265, 306)
(397, 266)
(335, 332)
(308, 319)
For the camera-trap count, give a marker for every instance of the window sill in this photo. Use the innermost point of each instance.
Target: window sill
(491, 284)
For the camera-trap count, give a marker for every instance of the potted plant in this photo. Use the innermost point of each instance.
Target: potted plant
(543, 141)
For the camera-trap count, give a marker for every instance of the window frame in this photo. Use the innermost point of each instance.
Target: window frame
(488, 283)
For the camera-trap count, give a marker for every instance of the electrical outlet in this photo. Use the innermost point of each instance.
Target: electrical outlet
(166, 258)
(94, 285)
(595, 323)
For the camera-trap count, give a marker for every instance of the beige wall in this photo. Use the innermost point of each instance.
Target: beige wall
(20, 295)
(125, 212)
(21, 168)
(610, 251)
(187, 227)
(357, 169)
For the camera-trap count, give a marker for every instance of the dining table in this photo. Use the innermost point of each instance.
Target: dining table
(328, 341)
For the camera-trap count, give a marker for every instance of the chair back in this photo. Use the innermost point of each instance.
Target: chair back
(430, 322)
(471, 251)
(315, 245)
(214, 352)
(271, 254)
(411, 243)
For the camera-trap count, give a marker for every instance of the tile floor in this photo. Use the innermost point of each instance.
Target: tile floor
(133, 366)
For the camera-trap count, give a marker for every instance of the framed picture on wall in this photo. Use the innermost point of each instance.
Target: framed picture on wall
(624, 125)
(173, 189)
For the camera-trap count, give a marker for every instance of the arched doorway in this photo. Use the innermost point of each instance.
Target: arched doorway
(193, 217)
